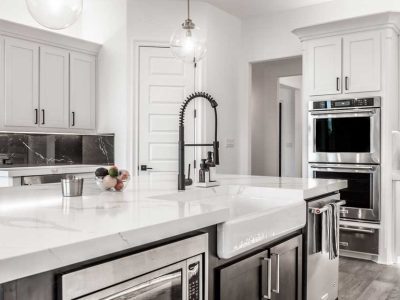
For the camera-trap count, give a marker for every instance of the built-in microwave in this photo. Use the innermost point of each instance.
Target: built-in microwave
(362, 195)
(175, 271)
(345, 131)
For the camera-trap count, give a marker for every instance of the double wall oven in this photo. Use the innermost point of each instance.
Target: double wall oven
(344, 143)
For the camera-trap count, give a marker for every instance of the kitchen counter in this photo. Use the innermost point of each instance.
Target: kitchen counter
(40, 230)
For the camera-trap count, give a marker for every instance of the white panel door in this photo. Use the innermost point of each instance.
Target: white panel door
(325, 66)
(164, 82)
(362, 62)
(21, 83)
(54, 87)
(83, 91)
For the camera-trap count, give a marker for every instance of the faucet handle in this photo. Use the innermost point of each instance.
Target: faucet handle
(188, 181)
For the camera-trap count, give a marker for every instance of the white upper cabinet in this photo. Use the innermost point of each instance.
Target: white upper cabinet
(83, 92)
(54, 87)
(356, 69)
(325, 63)
(362, 62)
(21, 83)
(47, 81)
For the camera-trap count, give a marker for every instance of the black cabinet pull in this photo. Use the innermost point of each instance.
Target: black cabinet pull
(36, 116)
(346, 83)
(73, 118)
(338, 84)
(43, 117)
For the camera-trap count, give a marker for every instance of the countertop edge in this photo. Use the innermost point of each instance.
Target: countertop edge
(50, 259)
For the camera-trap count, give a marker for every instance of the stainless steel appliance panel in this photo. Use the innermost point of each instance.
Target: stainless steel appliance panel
(173, 271)
(345, 134)
(362, 196)
(322, 273)
(359, 239)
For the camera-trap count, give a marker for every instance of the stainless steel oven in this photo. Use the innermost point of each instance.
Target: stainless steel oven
(345, 131)
(362, 195)
(176, 271)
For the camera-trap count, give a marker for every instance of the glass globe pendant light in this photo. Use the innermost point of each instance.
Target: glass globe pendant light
(55, 14)
(188, 43)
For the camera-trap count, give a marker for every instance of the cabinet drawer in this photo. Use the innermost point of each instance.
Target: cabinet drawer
(359, 239)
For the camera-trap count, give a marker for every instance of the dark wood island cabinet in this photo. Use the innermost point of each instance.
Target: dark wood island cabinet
(271, 271)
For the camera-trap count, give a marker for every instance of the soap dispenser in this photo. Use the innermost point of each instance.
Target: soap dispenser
(203, 172)
(204, 176)
(212, 169)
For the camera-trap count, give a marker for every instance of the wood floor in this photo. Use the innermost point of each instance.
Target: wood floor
(364, 280)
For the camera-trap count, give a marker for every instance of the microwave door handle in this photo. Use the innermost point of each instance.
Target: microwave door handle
(144, 285)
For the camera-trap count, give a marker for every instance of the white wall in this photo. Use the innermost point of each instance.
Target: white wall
(156, 20)
(264, 113)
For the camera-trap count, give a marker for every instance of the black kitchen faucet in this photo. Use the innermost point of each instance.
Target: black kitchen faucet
(182, 181)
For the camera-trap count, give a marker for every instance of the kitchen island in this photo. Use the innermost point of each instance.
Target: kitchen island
(42, 231)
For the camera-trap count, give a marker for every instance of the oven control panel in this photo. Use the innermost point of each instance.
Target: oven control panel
(347, 103)
(194, 281)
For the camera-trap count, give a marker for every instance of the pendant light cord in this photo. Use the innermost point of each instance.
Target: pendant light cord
(188, 9)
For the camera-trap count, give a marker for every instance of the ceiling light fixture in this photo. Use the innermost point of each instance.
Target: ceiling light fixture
(188, 42)
(55, 14)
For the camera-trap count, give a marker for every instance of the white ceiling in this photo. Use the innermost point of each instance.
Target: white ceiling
(247, 8)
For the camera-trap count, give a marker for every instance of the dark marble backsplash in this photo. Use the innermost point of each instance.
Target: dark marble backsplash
(29, 150)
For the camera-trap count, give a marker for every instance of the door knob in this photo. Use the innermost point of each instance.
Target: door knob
(145, 168)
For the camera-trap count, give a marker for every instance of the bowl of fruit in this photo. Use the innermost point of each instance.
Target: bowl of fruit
(112, 179)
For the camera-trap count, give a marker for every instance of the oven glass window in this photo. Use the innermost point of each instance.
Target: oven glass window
(343, 135)
(358, 192)
(167, 287)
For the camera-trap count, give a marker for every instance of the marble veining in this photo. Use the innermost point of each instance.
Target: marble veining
(32, 150)
(40, 230)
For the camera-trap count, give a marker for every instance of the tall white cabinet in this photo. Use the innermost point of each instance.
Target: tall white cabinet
(21, 105)
(47, 81)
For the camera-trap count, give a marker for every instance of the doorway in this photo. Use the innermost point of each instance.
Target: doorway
(290, 126)
(277, 118)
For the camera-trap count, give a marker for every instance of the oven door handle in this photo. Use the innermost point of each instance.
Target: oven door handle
(348, 112)
(359, 169)
(357, 230)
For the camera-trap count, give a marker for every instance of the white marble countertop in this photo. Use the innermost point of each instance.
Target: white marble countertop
(40, 230)
(45, 170)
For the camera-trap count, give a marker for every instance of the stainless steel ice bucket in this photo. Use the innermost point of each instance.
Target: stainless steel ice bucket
(72, 186)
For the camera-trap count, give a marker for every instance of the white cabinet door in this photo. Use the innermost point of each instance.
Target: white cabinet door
(362, 62)
(54, 87)
(21, 83)
(325, 66)
(83, 91)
